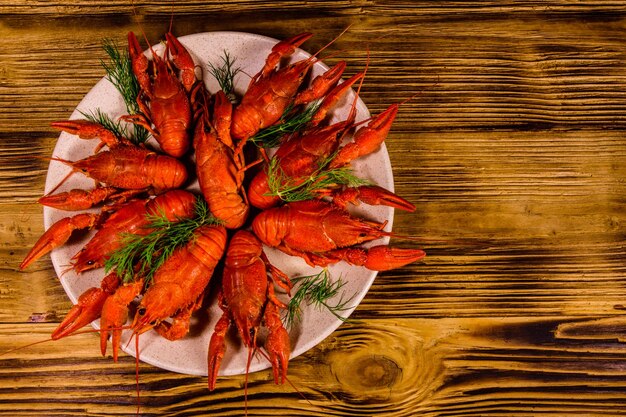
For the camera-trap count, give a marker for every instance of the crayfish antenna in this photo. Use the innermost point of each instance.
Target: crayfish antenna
(66, 162)
(137, 374)
(15, 349)
(245, 389)
(331, 42)
(50, 339)
(143, 33)
(352, 115)
(171, 16)
(267, 357)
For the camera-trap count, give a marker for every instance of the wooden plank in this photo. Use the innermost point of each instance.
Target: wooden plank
(431, 367)
(535, 75)
(397, 7)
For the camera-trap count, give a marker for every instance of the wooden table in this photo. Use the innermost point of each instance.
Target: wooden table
(514, 154)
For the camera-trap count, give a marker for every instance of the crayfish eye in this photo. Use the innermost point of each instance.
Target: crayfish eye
(141, 311)
(91, 262)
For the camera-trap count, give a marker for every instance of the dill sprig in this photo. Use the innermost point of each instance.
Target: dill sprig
(225, 75)
(317, 290)
(150, 251)
(120, 73)
(305, 188)
(291, 122)
(98, 116)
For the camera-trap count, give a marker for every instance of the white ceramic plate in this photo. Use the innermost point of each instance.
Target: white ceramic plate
(189, 355)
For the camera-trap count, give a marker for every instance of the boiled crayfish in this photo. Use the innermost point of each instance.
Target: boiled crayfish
(247, 298)
(272, 90)
(220, 164)
(164, 100)
(130, 218)
(179, 112)
(124, 165)
(322, 234)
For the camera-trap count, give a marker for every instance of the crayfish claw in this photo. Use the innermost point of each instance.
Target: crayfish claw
(217, 349)
(182, 60)
(368, 138)
(57, 235)
(277, 343)
(139, 63)
(115, 314)
(333, 97)
(373, 195)
(86, 129)
(282, 49)
(384, 258)
(87, 309)
(79, 199)
(320, 87)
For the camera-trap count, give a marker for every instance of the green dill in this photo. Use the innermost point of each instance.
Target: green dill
(291, 122)
(98, 116)
(317, 290)
(120, 73)
(316, 184)
(225, 76)
(150, 251)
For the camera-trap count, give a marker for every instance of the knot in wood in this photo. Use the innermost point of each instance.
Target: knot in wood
(373, 371)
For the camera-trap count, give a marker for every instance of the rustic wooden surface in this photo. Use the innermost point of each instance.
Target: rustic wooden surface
(514, 153)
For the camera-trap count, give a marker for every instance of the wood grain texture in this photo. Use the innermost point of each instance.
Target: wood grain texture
(513, 152)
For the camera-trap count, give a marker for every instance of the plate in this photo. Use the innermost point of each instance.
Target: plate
(189, 355)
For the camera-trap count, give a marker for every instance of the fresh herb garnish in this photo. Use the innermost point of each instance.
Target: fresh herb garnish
(317, 290)
(225, 76)
(98, 116)
(290, 122)
(315, 185)
(152, 250)
(120, 73)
